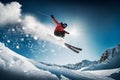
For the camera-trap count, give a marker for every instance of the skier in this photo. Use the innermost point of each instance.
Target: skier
(59, 30)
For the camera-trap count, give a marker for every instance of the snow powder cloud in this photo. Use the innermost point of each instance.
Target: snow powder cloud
(32, 26)
(10, 13)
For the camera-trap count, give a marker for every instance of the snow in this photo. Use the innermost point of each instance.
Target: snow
(13, 29)
(35, 38)
(101, 74)
(12, 62)
(104, 72)
(22, 39)
(27, 35)
(81, 65)
(8, 41)
(60, 71)
(64, 78)
(15, 67)
(66, 74)
(17, 47)
(93, 76)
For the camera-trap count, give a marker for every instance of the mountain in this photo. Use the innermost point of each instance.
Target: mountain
(111, 56)
(83, 63)
(108, 60)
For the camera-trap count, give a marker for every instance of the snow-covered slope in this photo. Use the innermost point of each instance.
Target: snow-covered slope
(66, 74)
(60, 71)
(106, 72)
(16, 67)
(102, 74)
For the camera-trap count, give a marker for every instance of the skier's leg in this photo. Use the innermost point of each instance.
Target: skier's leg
(63, 33)
(60, 33)
(57, 33)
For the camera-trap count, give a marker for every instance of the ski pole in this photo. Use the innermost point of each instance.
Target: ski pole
(44, 14)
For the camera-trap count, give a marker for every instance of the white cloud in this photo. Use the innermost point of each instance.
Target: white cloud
(10, 13)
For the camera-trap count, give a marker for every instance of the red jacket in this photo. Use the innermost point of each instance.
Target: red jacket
(59, 26)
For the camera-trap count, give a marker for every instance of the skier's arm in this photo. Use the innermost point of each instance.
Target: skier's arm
(66, 32)
(54, 19)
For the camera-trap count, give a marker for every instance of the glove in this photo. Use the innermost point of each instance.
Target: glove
(52, 16)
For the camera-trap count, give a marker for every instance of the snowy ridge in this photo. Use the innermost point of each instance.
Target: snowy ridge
(82, 64)
(10, 62)
(109, 60)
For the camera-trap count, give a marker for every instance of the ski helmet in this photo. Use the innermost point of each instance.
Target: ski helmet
(64, 25)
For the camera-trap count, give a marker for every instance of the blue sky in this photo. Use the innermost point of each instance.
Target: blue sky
(96, 25)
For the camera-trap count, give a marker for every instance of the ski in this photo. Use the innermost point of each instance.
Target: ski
(73, 48)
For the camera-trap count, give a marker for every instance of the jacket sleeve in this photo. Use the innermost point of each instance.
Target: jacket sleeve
(56, 22)
(66, 32)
